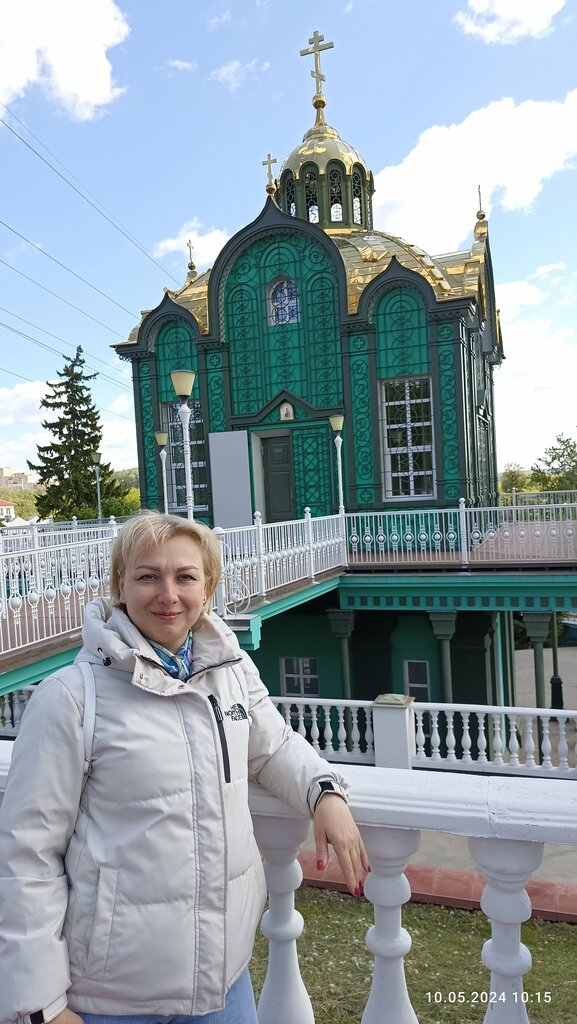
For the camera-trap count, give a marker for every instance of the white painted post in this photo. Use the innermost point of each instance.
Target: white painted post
(506, 864)
(220, 593)
(284, 998)
(387, 888)
(309, 543)
(260, 557)
(394, 731)
(463, 532)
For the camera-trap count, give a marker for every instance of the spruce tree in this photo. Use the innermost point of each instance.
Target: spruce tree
(66, 466)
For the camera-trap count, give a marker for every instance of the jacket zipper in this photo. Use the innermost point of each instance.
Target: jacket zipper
(223, 743)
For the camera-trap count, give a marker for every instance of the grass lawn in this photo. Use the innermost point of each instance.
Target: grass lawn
(445, 958)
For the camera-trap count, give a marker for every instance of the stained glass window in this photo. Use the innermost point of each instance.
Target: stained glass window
(283, 303)
(336, 194)
(357, 198)
(311, 196)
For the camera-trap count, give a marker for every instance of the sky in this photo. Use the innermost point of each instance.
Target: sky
(127, 128)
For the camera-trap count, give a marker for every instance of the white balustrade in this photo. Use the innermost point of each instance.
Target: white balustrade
(340, 730)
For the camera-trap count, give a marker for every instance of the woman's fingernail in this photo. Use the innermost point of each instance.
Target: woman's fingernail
(369, 868)
(320, 865)
(358, 890)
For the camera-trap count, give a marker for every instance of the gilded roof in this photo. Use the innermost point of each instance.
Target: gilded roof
(321, 144)
(366, 254)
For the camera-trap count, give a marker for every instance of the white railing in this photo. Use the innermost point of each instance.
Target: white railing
(340, 730)
(499, 740)
(453, 737)
(500, 535)
(265, 557)
(44, 590)
(49, 534)
(507, 822)
(538, 497)
(12, 706)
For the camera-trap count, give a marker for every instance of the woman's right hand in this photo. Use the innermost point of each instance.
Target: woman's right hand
(67, 1017)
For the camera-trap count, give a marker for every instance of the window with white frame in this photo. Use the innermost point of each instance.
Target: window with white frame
(299, 677)
(407, 437)
(283, 302)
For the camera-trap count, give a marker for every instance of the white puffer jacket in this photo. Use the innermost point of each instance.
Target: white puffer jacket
(156, 907)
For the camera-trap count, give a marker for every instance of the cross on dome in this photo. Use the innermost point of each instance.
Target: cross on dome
(317, 45)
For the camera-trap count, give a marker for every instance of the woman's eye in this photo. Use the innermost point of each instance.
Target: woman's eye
(145, 577)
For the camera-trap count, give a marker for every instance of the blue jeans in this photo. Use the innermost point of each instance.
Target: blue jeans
(239, 1008)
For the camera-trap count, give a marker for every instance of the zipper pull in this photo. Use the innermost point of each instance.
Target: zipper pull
(216, 708)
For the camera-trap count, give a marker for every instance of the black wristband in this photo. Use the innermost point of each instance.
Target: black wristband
(37, 1017)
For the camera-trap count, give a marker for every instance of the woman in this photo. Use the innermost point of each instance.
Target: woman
(136, 896)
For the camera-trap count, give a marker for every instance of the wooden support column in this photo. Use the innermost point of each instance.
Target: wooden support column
(443, 624)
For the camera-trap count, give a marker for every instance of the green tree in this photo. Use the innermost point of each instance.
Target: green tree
(65, 466)
(514, 477)
(24, 500)
(556, 470)
(127, 478)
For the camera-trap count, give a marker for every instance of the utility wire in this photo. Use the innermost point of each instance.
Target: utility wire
(64, 267)
(30, 381)
(57, 338)
(99, 210)
(55, 351)
(56, 296)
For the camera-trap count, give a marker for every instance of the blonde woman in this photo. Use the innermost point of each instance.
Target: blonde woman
(134, 895)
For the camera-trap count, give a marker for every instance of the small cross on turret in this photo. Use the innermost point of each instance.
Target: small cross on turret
(317, 44)
(270, 160)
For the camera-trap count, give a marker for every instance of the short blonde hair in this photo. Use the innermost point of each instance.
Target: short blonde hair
(149, 529)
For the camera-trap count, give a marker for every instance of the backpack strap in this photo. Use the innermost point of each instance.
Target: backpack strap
(89, 716)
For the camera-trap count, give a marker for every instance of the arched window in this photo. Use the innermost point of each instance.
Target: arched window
(283, 302)
(335, 194)
(290, 196)
(311, 196)
(357, 198)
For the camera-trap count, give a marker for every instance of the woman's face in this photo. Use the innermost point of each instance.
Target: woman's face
(163, 590)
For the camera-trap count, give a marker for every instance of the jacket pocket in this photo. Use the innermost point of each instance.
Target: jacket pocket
(219, 717)
(99, 942)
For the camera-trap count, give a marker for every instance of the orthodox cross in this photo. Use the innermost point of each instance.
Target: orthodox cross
(270, 160)
(317, 44)
(191, 265)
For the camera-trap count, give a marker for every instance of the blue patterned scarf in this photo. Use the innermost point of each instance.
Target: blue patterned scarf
(180, 664)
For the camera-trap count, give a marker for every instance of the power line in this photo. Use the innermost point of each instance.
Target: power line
(55, 352)
(30, 381)
(57, 338)
(64, 267)
(116, 225)
(56, 296)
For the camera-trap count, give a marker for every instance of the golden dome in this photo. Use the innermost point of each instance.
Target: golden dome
(320, 145)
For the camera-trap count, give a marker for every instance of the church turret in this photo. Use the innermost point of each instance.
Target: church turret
(324, 180)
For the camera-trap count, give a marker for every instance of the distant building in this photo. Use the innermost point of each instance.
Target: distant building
(7, 510)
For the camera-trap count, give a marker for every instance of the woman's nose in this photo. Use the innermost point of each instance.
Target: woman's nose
(167, 591)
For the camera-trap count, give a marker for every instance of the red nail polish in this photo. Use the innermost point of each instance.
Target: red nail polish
(320, 865)
(358, 891)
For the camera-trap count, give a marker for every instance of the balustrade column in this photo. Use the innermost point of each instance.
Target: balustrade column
(284, 998)
(387, 887)
(506, 864)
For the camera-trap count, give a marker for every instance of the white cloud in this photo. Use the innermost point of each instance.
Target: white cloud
(547, 269)
(535, 390)
(511, 297)
(432, 195)
(62, 47)
(119, 443)
(206, 244)
(507, 21)
(348, 8)
(16, 450)
(218, 20)
(182, 65)
(233, 74)
(21, 404)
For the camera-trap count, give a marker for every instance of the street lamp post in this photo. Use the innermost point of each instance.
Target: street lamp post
(161, 438)
(182, 382)
(336, 423)
(96, 457)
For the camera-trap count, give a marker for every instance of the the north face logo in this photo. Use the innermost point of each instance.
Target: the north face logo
(236, 712)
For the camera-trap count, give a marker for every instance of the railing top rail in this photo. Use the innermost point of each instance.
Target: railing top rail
(495, 709)
(537, 810)
(314, 701)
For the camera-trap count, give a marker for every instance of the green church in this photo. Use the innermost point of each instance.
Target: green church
(308, 314)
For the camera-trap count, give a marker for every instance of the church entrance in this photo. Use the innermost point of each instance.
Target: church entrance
(278, 479)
